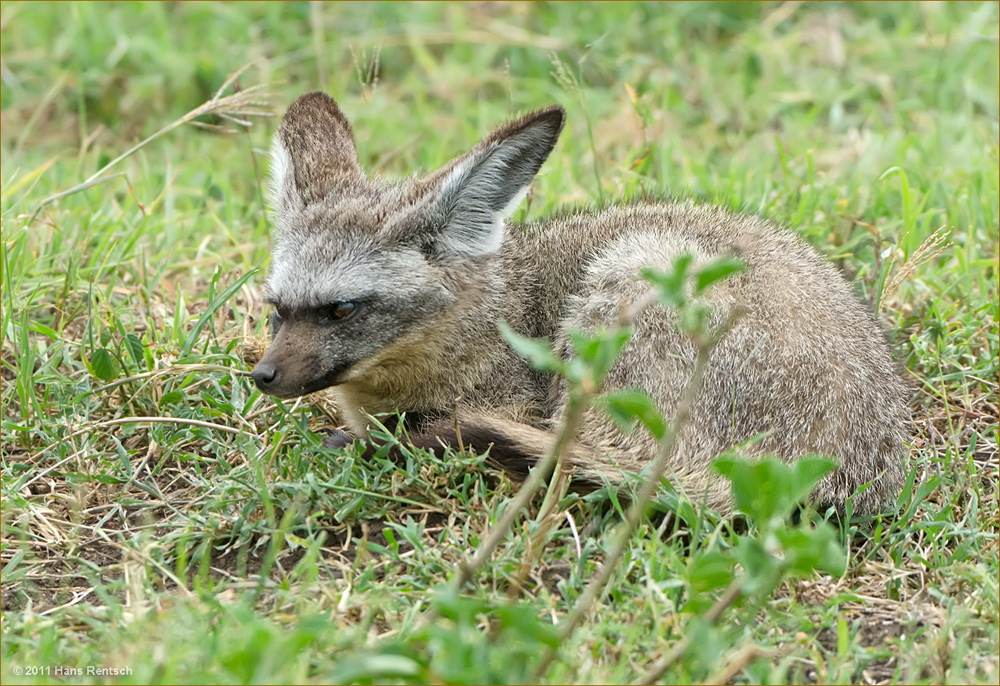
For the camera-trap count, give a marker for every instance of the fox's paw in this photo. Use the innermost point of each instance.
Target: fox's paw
(337, 439)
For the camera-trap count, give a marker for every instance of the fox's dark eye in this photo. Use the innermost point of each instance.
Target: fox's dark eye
(275, 322)
(337, 312)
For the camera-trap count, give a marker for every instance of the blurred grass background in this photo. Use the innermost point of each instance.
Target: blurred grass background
(196, 554)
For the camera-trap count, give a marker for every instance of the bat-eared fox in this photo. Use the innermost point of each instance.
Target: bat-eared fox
(391, 294)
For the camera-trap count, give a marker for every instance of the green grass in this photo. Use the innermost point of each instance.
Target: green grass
(227, 546)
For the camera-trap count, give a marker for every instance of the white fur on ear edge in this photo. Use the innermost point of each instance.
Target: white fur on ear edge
(507, 211)
(477, 232)
(281, 164)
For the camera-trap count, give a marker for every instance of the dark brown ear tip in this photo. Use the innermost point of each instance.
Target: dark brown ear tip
(315, 111)
(555, 114)
(316, 101)
(314, 97)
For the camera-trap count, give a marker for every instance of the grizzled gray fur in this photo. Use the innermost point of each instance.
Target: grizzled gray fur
(391, 294)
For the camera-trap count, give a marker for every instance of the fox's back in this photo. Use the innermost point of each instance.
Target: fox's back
(550, 266)
(804, 368)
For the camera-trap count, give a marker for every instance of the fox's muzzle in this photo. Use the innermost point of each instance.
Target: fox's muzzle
(264, 375)
(293, 364)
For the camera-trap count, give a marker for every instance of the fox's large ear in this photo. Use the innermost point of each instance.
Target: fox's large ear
(313, 152)
(478, 191)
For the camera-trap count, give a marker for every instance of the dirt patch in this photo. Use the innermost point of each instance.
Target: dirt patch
(873, 627)
(874, 622)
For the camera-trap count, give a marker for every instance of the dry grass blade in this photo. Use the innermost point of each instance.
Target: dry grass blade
(167, 371)
(930, 248)
(739, 661)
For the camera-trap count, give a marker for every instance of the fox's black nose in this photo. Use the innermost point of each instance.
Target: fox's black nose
(264, 375)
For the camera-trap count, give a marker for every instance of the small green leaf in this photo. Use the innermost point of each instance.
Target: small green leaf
(807, 472)
(103, 364)
(670, 285)
(524, 622)
(694, 317)
(538, 351)
(769, 488)
(711, 570)
(807, 549)
(625, 407)
(108, 479)
(706, 643)
(171, 398)
(44, 330)
(377, 668)
(452, 605)
(391, 539)
(716, 270)
(843, 638)
(599, 351)
(134, 346)
(761, 570)
(348, 509)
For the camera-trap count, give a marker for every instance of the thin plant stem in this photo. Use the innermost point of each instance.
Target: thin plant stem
(638, 506)
(468, 568)
(733, 592)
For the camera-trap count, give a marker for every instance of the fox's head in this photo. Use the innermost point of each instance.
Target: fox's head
(359, 263)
